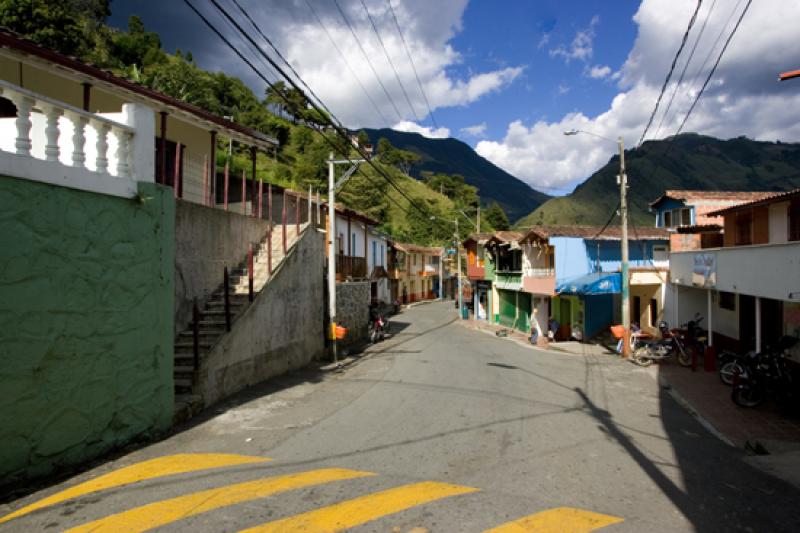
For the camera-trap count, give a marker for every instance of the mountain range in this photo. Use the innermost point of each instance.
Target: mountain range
(689, 161)
(451, 156)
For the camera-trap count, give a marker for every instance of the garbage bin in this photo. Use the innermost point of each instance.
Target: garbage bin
(464, 312)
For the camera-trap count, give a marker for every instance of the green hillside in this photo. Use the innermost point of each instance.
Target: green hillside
(691, 162)
(452, 156)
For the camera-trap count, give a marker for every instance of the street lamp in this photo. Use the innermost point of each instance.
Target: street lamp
(623, 211)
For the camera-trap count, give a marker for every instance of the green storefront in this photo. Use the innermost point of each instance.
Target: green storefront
(514, 309)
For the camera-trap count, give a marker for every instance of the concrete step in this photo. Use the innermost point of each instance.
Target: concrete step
(204, 343)
(202, 333)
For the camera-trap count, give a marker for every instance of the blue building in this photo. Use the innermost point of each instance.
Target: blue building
(588, 281)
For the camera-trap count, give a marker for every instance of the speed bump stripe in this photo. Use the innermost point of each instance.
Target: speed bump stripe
(167, 511)
(351, 513)
(150, 469)
(558, 520)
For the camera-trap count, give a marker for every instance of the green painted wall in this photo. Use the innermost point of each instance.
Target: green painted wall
(86, 323)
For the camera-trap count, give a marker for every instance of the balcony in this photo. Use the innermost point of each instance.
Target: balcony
(765, 270)
(476, 271)
(510, 280)
(350, 267)
(57, 143)
(539, 280)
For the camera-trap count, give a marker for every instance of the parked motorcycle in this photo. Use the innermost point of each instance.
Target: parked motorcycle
(671, 342)
(766, 374)
(378, 325)
(731, 364)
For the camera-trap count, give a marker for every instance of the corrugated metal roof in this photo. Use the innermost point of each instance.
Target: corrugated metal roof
(611, 233)
(685, 194)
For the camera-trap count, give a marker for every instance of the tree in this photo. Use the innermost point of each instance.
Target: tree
(496, 217)
(400, 159)
(363, 138)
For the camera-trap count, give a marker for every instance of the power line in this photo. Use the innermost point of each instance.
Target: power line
(685, 68)
(413, 67)
(608, 222)
(389, 59)
(346, 62)
(366, 57)
(278, 52)
(671, 69)
(714, 68)
(339, 129)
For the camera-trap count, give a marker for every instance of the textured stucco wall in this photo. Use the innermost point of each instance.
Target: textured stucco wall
(282, 330)
(352, 309)
(206, 240)
(86, 292)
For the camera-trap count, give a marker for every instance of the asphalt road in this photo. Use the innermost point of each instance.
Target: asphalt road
(440, 428)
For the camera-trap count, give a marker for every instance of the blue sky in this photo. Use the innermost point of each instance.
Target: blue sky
(509, 77)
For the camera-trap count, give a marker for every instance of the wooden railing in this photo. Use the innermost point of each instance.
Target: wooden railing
(353, 267)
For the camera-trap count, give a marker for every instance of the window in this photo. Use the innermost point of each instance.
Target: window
(353, 242)
(794, 221)
(727, 300)
(686, 217)
(744, 222)
(667, 219)
(653, 311)
(374, 254)
(383, 254)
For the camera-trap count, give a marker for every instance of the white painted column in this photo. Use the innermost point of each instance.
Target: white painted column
(710, 321)
(101, 163)
(79, 123)
(758, 324)
(24, 105)
(142, 155)
(51, 132)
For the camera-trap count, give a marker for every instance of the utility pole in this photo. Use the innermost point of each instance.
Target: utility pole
(623, 212)
(332, 186)
(458, 271)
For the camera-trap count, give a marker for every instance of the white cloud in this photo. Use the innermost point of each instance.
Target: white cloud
(425, 131)
(582, 46)
(427, 28)
(744, 97)
(478, 130)
(599, 72)
(562, 88)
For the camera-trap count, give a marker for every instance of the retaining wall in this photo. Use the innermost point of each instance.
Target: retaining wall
(282, 330)
(206, 240)
(352, 309)
(86, 323)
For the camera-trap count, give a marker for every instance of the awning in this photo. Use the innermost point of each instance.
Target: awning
(589, 284)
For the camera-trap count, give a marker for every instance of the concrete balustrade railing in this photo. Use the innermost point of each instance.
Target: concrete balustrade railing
(55, 142)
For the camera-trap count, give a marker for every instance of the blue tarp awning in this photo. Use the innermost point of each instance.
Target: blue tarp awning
(589, 284)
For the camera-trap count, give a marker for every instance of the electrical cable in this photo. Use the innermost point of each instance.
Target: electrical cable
(346, 62)
(389, 59)
(338, 128)
(685, 68)
(671, 69)
(714, 68)
(413, 67)
(364, 53)
(608, 222)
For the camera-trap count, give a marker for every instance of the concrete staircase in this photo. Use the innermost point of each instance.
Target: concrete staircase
(212, 314)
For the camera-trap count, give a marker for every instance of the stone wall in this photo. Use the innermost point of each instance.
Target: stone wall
(282, 330)
(86, 331)
(352, 309)
(206, 240)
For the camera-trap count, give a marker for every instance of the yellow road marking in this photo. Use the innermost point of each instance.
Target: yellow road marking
(357, 511)
(153, 468)
(166, 511)
(559, 520)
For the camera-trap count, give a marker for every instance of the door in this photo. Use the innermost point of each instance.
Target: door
(771, 321)
(747, 323)
(524, 320)
(565, 317)
(508, 309)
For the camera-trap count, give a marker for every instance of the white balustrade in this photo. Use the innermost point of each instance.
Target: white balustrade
(47, 129)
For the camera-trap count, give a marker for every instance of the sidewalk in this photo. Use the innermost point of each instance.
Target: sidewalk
(706, 394)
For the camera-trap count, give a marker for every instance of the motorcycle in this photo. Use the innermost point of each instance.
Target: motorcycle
(671, 342)
(731, 364)
(378, 325)
(766, 374)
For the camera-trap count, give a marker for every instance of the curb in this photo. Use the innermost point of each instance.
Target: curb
(683, 402)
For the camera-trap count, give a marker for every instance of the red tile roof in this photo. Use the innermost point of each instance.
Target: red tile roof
(736, 196)
(771, 198)
(611, 233)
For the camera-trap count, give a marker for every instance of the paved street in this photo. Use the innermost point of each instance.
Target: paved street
(440, 428)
